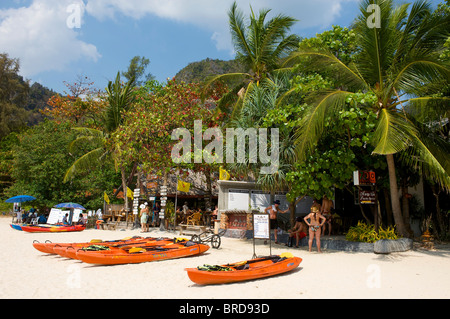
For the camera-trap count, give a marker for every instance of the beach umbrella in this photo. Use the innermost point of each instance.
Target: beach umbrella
(20, 199)
(70, 205)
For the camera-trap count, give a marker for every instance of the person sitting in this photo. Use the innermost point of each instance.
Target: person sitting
(81, 220)
(42, 219)
(298, 232)
(25, 217)
(65, 220)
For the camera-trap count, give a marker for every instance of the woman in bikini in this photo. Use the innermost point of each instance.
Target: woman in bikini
(316, 221)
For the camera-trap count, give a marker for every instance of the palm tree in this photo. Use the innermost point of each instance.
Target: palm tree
(120, 98)
(258, 101)
(399, 64)
(260, 47)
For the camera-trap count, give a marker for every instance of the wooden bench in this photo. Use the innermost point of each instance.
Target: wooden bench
(185, 227)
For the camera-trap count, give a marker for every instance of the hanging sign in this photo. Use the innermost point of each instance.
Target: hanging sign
(364, 178)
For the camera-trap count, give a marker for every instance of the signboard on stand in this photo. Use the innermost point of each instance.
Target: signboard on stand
(261, 230)
(261, 226)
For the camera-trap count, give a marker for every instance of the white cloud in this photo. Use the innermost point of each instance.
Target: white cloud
(40, 36)
(212, 14)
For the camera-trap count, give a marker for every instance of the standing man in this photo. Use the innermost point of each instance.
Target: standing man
(325, 210)
(273, 214)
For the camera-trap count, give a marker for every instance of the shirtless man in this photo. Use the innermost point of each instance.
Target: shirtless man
(273, 213)
(314, 225)
(325, 210)
(298, 231)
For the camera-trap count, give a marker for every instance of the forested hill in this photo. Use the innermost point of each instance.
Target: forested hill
(20, 102)
(199, 71)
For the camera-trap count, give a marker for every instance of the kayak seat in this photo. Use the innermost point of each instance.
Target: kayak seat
(242, 267)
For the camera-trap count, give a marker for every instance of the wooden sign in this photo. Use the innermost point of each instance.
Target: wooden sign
(367, 197)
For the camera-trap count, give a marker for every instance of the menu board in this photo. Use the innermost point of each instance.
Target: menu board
(56, 215)
(261, 226)
(260, 200)
(238, 199)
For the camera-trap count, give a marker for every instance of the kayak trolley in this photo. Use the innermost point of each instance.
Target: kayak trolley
(208, 237)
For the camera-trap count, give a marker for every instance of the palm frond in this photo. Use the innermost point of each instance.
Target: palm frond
(87, 161)
(238, 33)
(82, 141)
(378, 45)
(429, 108)
(322, 60)
(418, 71)
(120, 98)
(393, 133)
(311, 126)
(430, 155)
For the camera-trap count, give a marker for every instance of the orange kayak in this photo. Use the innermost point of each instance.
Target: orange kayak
(243, 271)
(70, 250)
(141, 254)
(48, 247)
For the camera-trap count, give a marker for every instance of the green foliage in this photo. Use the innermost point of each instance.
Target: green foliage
(41, 158)
(340, 41)
(169, 212)
(366, 233)
(13, 97)
(136, 70)
(343, 148)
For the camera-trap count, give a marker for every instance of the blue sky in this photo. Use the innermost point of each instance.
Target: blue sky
(58, 40)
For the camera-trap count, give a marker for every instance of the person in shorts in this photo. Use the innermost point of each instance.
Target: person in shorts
(273, 215)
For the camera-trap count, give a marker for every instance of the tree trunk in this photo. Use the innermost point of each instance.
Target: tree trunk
(124, 189)
(439, 218)
(395, 200)
(387, 204)
(292, 206)
(208, 197)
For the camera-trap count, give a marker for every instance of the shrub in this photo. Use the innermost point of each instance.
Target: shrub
(366, 233)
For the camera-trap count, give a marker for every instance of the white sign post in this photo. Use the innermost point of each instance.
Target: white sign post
(261, 230)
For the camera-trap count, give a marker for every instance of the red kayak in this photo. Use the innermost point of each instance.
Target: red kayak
(53, 228)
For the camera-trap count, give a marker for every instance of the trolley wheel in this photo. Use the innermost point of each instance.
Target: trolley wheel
(195, 239)
(215, 241)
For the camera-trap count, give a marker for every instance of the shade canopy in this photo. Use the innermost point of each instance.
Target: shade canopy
(70, 205)
(20, 199)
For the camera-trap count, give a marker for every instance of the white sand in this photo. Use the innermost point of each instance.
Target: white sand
(28, 273)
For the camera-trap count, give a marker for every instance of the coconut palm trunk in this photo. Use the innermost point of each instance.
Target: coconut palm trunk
(395, 199)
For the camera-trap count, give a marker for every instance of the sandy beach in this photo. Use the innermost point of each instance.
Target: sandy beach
(28, 273)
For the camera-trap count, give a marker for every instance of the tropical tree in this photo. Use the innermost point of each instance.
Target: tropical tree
(260, 47)
(119, 99)
(398, 62)
(41, 157)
